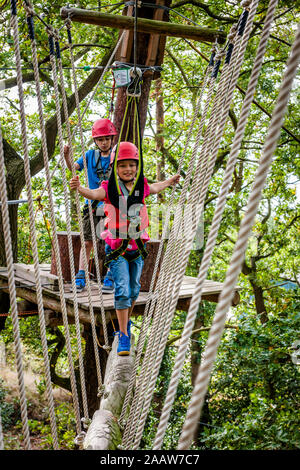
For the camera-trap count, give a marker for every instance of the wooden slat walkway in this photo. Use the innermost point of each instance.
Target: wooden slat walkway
(25, 287)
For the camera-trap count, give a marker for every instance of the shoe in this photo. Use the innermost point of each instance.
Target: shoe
(124, 345)
(108, 285)
(129, 328)
(80, 280)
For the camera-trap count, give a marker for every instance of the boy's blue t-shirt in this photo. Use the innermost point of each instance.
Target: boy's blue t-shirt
(94, 181)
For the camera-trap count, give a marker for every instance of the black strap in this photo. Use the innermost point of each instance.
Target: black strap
(121, 251)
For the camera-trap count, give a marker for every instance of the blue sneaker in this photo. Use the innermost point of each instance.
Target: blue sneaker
(80, 280)
(108, 285)
(124, 345)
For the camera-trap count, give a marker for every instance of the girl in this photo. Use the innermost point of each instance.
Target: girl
(125, 235)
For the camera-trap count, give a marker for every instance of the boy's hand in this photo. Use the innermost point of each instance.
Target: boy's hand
(174, 180)
(66, 151)
(74, 183)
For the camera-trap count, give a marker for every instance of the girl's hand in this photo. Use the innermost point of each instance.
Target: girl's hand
(174, 180)
(74, 183)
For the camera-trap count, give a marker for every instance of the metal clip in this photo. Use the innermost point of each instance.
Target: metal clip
(134, 87)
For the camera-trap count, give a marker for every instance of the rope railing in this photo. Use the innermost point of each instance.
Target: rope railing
(52, 215)
(234, 269)
(27, 173)
(194, 305)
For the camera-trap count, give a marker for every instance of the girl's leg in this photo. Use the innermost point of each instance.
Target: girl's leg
(120, 272)
(135, 269)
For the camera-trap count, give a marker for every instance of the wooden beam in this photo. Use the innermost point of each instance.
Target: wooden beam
(197, 33)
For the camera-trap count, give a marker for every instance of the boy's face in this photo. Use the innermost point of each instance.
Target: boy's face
(127, 169)
(104, 142)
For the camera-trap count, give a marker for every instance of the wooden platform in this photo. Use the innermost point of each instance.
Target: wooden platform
(25, 288)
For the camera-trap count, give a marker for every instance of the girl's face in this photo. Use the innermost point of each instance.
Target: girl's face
(127, 169)
(104, 143)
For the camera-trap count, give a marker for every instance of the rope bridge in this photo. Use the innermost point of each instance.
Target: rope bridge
(215, 98)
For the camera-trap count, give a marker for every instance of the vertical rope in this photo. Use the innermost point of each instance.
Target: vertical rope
(233, 272)
(205, 175)
(52, 216)
(68, 223)
(147, 316)
(50, 399)
(13, 297)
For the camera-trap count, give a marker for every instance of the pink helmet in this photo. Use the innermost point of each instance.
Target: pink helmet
(103, 127)
(127, 151)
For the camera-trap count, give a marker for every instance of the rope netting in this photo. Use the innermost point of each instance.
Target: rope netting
(214, 100)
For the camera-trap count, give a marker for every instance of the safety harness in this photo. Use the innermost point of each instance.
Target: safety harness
(127, 202)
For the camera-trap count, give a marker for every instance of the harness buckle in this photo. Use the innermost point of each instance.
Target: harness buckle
(134, 88)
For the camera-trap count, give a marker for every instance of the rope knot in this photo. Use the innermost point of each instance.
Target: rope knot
(29, 9)
(246, 3)
(80, 438)
(86, 422)
(68, 23)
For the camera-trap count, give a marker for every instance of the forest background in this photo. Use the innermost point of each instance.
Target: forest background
(252, 401)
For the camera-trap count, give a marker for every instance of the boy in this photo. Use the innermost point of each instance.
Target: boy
(98, 169)
(124, 254)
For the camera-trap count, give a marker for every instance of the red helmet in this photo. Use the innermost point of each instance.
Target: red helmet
(103, 127)
(127, 151)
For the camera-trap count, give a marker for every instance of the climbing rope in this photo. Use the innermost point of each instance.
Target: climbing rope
(146, 316)
(30, 23)
(13, 297)
(51, 36)
(159, 344)
(27, 173)
(194, 305)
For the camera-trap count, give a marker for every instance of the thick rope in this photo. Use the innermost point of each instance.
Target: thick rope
(50, 399)
(191, 316)
(13, 297)
(68, 224)
(1, 435)
(225, 97)
(52, 218)
(151, 300)
(233, 272)
(146, 316)
(106, 346)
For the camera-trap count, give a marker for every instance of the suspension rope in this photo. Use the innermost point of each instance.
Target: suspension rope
(52, 213)
(95, 248)
(13, 297)
(146, 316)
(68, 220)
(234, 269)
(194, 305)
(27, 173)
(161, 334)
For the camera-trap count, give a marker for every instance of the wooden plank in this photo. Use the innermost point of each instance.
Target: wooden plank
(26, 272)
(144, 25)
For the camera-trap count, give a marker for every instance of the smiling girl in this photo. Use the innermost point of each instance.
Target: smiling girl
(125, 235)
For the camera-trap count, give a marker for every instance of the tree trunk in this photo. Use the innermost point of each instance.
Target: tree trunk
(196, 352)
